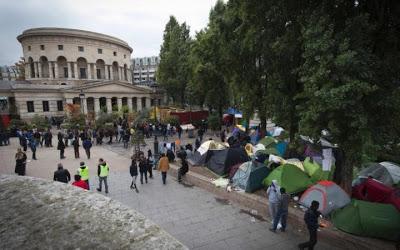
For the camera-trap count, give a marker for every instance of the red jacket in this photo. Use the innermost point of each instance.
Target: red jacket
(81, 184)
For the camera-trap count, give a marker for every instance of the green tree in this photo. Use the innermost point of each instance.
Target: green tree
(174, 68)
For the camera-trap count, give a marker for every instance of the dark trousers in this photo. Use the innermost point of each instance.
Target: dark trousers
(150, 170)
(62, 154)
(87, 150)
(280, 216)
(87, 181)
(141, 176)
(34, 154)
(164, 177)
(76, 150)
(313, 240)
(181, 172)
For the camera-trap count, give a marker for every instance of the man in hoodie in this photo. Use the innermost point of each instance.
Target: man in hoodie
(283, 211)
(83, 171)
(273, 198)
(311, 220)
(102, 172)
(61, 175)
(87, 145)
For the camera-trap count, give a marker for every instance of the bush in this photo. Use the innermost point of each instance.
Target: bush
(17, 123)
(40, 122)
(76, 121)
(104, 118)
(214, 122)
(173, 120)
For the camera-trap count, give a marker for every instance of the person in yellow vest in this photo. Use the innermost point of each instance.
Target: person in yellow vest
(102, 172)
(163, 167)
(83, 171)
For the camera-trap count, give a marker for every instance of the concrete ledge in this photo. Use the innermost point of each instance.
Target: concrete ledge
(42, 214)
(295, 219)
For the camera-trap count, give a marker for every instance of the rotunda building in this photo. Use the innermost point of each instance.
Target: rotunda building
(71, 66)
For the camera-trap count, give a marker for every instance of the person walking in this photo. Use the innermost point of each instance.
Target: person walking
(80, 183)
(273, 199)
(83, 171)
(163, 167)
(185, 167)
(149, 162)
(75, 143)
(102, 172)
(87, 145)
(32, 145)
(311, 220)
(133, 169)
(20, 162)
(142, 168)
(61, 175)
(283, 209)
(61, 147)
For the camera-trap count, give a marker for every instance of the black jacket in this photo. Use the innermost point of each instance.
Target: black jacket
(311, 219)
(143, 166)
(133, 169)
(62, 175)
(60, 145)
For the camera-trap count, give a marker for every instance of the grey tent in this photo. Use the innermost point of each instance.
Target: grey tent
(221, 161)
(250, 176)
(386, 172)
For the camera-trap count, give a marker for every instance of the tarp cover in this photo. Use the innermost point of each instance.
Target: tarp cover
(374, 191)
(365, 218)
(386, 172)
(329, 195)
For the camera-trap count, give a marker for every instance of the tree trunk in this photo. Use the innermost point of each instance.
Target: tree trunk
(346, 173)
(263, 125)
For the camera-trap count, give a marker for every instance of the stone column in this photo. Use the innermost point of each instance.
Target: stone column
(27, 71)
(95, 71)
(76, 74)
(139, 103)
(35, 66)
(109, 106)
(69, 70)
(51, 70)
(119, 103)
(119, 74)
(40, 69)
(111, 73)
(96, 105)
(56, 70)
(106, 75)
(130, 104)
(84, 105)
(89, 71)
(148, 102)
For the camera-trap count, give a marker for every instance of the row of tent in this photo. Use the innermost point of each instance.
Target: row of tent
(250, 169)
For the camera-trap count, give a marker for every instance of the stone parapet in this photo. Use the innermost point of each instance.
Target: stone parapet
(41, 214)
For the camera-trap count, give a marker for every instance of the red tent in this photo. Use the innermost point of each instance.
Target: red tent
(375, 191)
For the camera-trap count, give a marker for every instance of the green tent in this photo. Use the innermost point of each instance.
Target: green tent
(372, 219)
(268, 141)
(292, 178)
(314, 170)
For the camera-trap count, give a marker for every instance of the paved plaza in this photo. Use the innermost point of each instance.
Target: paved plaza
(197, 218)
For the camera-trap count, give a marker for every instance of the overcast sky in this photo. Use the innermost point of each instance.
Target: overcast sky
(139, 22)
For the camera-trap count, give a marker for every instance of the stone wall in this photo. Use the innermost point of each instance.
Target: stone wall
(41, 214)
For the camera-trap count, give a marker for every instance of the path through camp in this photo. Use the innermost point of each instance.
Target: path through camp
(195, 217)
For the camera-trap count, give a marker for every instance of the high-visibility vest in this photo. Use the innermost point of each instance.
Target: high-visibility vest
(84, 173)
(104, 170)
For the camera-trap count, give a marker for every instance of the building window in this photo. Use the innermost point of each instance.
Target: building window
(100, 51)
(80, 48)
(29, 105)
(83, 73)
(65, 72)
(42, 47)
(63, 83)
(60, 106)
(115, 53)
(98, 73)
(124, 56)
(46, 106)
(29, 48)
(60, 47)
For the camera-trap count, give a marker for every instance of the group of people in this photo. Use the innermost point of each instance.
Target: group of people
(279, 210)
(82, 175)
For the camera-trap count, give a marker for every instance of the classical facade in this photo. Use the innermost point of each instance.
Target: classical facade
(75, 66)
(145, 70)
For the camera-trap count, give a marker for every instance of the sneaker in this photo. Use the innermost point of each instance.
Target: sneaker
(283, 230)
(106, 192)
(272, 230)
(137, 190)
(98, 189)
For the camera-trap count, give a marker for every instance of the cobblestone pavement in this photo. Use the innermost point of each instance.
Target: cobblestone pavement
(195, 217)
